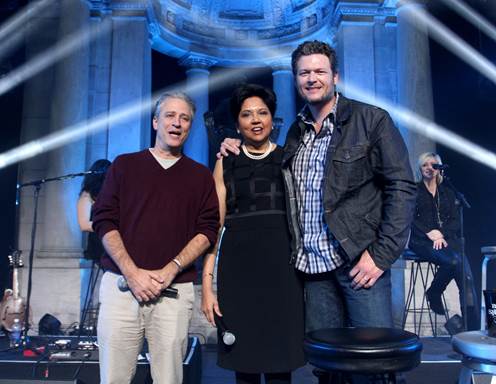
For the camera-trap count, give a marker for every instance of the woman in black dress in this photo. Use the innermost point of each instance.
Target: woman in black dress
(436, 236)
(260, 296)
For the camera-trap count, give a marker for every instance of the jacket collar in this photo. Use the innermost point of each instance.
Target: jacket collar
(344, 110)
(342, 114)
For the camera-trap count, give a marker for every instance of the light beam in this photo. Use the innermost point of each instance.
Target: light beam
(102, 121)
(14, 29)
(64, 48)
(471, 15)
(452, 42)
(426, 127)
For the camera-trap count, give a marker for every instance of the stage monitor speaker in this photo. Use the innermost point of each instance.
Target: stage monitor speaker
(49, 325)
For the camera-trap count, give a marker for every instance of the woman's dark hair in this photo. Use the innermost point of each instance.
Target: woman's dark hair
(246, 91)
(92, 183)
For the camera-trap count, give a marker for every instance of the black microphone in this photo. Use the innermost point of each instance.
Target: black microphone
(167, 292)
(228, 337)
(440, 167)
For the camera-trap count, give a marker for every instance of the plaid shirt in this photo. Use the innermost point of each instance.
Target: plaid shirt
(317, 252)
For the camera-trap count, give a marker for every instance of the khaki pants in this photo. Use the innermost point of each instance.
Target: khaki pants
(123, 323)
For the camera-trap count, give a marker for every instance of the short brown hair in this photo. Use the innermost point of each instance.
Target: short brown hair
(314, 47)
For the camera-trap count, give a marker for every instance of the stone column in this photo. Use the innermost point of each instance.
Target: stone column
(130, 84)
(56, 267)
(355, 47)
(69, 107)
(366, 46)
(283, 85)
(386, 87)
(414, 74)
(35, 119)
(196, 147)
(97, 143)
(35, 124)
(386, 72)
(99, 85)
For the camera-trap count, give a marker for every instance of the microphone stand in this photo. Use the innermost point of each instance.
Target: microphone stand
(462, 202)
(37, 184)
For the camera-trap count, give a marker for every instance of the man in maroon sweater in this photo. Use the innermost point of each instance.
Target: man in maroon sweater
(157, 212)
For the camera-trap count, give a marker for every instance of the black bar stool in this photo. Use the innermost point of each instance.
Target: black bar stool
(366, 351)
(411, 305)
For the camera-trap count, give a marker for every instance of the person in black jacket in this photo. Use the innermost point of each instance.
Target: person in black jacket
(435, 236)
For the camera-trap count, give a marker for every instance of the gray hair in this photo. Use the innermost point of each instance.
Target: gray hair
(421, 161)
(174, 95)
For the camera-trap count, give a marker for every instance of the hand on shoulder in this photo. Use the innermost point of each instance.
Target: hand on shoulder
(229, 145)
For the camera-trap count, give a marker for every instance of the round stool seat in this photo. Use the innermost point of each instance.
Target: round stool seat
(363, 350)
(475, 344)
(410, 255)
(488, 249)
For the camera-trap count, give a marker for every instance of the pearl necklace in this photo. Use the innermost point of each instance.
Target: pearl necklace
(257, 157)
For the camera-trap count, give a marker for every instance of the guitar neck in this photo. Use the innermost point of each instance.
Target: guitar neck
(15, 283)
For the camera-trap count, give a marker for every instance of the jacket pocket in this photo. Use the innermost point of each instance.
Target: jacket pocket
(372, 221)
(351, 167)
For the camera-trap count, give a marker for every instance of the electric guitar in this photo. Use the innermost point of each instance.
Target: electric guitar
(13, 305)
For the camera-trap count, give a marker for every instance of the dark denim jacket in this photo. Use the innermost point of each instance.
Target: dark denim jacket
(368, 187)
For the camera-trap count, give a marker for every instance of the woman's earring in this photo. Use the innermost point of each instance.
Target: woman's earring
(272, 128)
(237, 130)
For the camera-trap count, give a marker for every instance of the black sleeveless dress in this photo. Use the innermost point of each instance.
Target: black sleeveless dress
(259, 292)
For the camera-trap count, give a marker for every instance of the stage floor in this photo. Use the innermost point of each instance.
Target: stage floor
(440, 365)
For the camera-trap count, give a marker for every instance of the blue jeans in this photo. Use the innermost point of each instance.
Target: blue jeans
(331, 302)
(450, 267)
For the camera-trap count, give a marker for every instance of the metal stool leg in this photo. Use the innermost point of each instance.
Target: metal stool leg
(425, 279)
(411, 306)
(430, 270)
(410, 295)
(415, 271)
(465, 376)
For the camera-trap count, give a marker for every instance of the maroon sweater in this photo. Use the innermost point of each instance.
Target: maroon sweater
(156, 211)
